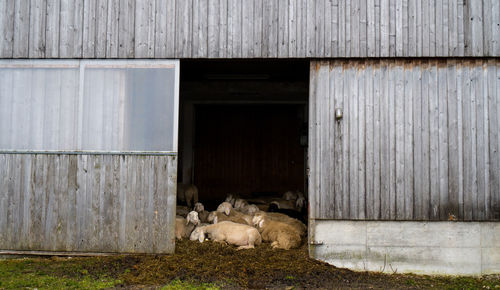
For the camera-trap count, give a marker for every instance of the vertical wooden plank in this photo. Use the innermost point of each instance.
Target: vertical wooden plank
(469, 145)
(7, 28)
(482, 139)
(495, 28)
(72, 179)
(399, 49)
(393, 92)
(494, 139)
(392, 27)
(283, 33)
(247, 29)
(425, 28)
(434, 141)
(234, 28)
(313, 154)
(354, 141)
(476, 28)
(493, 200)
(439, 36)
(327, 26)
(355, 23)
(113, 16)
(370, 29)
(412, 28)
(348, 30)
(258, 28)
(89, 28)
(384, 28)
(377, 27)
(377, 98)
(384, 142)
(161, 8)
(200, 28)
(336, 77)
(341, 29)
(310, 25)
(171, 28)
(126, 29)
(426, 142)
(21, 28)
(223, 28)
(213, 28)
(319, 28)
(486, 18)
(183, 28)
(145, 18)
(101, 29)
(334, 28)
(361, 132)
(37, 29)
(370, 128)
(292, 28)
(273, 33)
(406, 24)
(432, 27)
(408, 141)
(399, 119)
(71, 29)
(461, 23)
(363, 24)
(444, 44)
(460, 86)
(346, 148)
(323, 169)
(453, 137)
(444, 209)
(452, 28)
(52, 28)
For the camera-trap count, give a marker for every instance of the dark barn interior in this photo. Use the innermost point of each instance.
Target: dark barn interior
(243, 127)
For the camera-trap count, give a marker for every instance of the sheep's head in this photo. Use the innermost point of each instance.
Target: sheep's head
(225, 207)
(252, 209)
(198, 234)
(198, 207)
(193, 218)
(289, 195)
(300, 202)
(211, 216)
(230, 199)
(299, 194)
(258, 220)
(240, 203)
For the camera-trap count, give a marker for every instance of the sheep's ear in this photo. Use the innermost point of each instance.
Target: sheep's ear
(201, 236)
(215, 220)
(261, 223)
(227, 210)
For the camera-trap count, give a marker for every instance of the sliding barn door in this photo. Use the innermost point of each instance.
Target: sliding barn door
(88, 156)
(405, 140)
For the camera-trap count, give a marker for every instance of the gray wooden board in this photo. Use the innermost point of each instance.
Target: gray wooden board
(418, 140)
(275, 28)
(72, 203)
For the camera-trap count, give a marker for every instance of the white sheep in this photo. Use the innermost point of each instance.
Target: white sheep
(202, 213)
(280, 234)
(227, 209)
(290, 195)
(184, 226)
(240, 203)
(216, 217)
(244, 236)
(295, 223)
(187, 193)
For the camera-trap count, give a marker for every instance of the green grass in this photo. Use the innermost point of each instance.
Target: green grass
(28, 274)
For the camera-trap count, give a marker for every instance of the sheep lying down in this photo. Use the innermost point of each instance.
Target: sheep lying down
(244, 236)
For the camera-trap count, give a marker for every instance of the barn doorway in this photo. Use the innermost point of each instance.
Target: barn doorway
(243, 127)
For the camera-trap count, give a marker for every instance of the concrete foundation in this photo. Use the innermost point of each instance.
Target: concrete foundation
(449, 248)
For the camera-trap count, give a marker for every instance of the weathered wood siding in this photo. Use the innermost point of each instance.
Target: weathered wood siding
(248, 29)
(419, 139)
(87, 203)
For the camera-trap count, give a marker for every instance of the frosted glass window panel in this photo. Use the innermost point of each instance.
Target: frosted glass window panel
(128, 109)
(38, 108)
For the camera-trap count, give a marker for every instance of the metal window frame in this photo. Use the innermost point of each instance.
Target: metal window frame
(81, 65)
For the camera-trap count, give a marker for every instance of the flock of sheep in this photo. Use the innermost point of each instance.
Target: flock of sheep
(243, 222)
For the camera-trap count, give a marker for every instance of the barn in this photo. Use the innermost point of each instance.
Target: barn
(384, 112)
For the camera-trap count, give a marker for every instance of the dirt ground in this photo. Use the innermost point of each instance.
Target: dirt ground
(258, 268)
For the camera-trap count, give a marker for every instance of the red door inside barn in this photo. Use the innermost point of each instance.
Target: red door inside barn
(248, 149)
